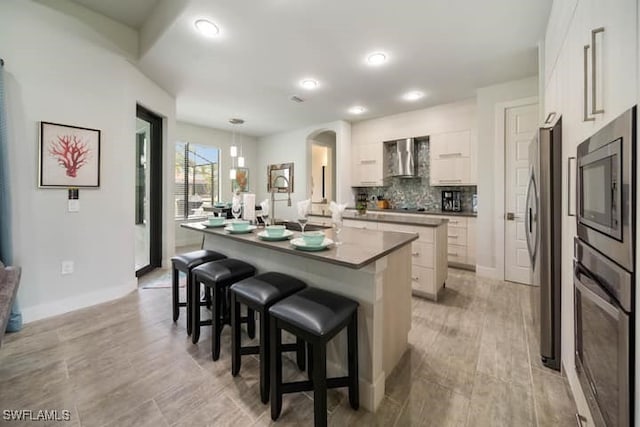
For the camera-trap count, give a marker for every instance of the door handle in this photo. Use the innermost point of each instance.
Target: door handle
(594, 109)
(585, 93)
(510, 216)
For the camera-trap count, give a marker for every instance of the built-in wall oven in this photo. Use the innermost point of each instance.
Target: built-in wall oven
(604, 276)
(603, 311)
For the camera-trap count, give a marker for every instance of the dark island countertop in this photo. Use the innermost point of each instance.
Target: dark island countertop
(358, 249)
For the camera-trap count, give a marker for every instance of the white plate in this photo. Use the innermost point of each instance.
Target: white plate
(265, 236)
(300, 244)
(232, 230)
(206, 224)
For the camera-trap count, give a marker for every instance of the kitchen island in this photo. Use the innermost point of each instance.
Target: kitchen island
(370, 267)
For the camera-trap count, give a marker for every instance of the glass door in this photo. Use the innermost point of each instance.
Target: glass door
(148, 191)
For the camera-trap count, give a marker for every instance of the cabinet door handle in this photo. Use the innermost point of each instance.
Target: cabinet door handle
(452, 253)
(550, 117)
(415, 254)
(585, 94)
(449, 180)
(452, 222)
(415, 278)
(594, 109)
(368, 182)
(579, 419)
(453, 237)
(367, 162)
(444, 156)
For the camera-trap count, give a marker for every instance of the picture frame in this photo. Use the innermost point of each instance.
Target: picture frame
(241, 183)
(69, 156)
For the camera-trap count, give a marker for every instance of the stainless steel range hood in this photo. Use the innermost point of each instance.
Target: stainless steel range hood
(407, 158)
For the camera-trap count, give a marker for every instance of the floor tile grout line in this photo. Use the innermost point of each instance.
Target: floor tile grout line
(164, 418)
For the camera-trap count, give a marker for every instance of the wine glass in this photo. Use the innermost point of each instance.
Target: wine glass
(337, 225)
(303, 221)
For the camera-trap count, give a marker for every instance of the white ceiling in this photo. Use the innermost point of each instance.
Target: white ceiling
(130, 12)
(446, 48)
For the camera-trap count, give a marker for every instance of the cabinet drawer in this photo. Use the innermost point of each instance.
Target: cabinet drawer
(423, 280)
(363, 225)
(422, 254)
(457, 236)
(425, 233)
(456, 221)
(456, 253)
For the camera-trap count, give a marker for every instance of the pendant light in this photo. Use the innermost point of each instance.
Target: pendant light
(234, 149)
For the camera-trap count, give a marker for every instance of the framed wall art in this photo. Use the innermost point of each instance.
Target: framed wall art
(241, 183)
(69, 156)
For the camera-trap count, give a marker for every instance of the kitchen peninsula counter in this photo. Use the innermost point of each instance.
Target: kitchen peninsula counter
(370, 267)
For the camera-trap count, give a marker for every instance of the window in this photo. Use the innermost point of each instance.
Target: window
(197, 179)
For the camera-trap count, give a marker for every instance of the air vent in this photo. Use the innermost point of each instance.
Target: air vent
(296, 98)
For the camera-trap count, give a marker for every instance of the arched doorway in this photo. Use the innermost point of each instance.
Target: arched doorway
(321, 164)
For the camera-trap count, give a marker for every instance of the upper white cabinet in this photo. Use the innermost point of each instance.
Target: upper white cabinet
(366, 168)
(451, 159)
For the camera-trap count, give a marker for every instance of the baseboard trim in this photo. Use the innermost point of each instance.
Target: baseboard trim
(54, 308)
(490, 272)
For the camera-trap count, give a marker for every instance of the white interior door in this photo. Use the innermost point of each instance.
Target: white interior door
(521, 124)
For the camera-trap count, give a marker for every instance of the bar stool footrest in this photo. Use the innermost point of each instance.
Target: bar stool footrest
(298, 386)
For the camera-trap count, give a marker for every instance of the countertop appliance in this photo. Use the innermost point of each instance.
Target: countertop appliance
(451, 201)
(604, 270)
(543, 223)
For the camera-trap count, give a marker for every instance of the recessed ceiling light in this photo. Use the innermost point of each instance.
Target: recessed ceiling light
(309, 84)
(357, 109)
(207, 28)
(376, 58)
(413, 95)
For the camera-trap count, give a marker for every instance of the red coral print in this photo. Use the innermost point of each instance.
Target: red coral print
(70, 152)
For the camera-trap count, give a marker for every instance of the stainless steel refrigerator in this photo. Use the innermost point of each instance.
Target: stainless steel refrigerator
(543, 222)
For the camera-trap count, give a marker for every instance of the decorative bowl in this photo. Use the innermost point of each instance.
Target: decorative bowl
(240, 225)
(275, 230)
(313, 238)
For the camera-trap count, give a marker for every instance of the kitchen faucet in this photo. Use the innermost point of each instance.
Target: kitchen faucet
(273, 197)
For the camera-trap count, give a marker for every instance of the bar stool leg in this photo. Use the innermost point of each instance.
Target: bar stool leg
(193, 289)
(276, 369)
(217, 322)
(175, 293)
(310, 361)
(235, 336)
(300, 353)
(352, 350)
(265, 357)
(319, 384)
(251, 323)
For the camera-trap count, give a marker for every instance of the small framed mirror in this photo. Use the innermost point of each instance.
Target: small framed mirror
(280, 178)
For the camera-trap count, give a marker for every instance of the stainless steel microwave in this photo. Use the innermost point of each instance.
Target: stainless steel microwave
(605, 189)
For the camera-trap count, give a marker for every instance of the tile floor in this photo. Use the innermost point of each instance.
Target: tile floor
(471, 362)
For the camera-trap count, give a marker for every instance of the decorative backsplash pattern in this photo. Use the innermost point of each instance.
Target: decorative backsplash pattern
(414, 192)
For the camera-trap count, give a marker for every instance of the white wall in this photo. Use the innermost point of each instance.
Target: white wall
(427, 121)
(61, 70)
(200, 135)
(292, 147)
(488, 219)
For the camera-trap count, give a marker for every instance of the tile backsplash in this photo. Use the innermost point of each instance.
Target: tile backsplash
(414, 192)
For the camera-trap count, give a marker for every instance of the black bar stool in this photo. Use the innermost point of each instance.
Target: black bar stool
(259, 293)
(316, 316)
(186, 262)
(217, 276)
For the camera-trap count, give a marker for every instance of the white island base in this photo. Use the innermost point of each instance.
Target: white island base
(382, 287)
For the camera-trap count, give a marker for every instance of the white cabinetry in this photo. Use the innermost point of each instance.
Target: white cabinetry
(450, 159)
(367, 170)
(428, 257)
(591, 62)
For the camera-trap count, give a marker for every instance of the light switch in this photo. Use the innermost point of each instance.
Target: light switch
(74, 205)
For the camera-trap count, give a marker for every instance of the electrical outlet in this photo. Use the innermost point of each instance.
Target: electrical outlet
(67, 267)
